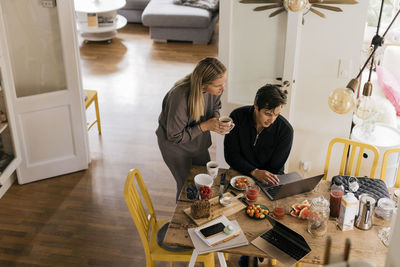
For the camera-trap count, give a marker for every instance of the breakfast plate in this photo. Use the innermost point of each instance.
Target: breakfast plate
(240, 182)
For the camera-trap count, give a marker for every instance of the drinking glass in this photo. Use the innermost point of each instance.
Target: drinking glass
(252, 192)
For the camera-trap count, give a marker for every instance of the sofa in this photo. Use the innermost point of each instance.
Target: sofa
(133, 10)
(169, 21)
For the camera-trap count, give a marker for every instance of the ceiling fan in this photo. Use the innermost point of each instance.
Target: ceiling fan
(299, 5)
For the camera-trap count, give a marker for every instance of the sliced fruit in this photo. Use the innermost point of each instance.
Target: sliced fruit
(304, 213)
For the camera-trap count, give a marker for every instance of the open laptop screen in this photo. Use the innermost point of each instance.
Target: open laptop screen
(282, 243)
(291, 188)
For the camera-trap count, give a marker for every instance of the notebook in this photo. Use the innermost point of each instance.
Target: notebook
(282, 243)
(202, 247)
(290, 187)
(220, 237)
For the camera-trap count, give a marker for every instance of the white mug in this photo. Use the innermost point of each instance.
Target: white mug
(227, 120)
(212, 168)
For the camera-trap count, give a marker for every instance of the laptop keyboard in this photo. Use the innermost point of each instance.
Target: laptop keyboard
(272, 191)
(284, 245)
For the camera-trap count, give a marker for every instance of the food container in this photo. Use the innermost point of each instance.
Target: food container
(318, 217)
(385, 208)
(348, 212)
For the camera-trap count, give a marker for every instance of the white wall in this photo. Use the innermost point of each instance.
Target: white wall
(323, 43)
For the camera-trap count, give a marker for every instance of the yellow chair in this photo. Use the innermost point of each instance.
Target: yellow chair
(347, 162)
(92, 97)
(384, 165)
(145, 221)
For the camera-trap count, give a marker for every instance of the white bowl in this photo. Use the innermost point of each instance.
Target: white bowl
(203, 179)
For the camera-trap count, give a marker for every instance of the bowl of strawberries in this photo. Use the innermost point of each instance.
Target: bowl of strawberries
(205, 192)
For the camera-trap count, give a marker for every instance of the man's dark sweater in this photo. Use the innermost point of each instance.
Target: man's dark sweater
(245, 151)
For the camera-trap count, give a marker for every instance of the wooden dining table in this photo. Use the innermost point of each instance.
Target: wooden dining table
(365, 245)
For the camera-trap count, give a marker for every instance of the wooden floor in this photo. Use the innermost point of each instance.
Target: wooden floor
(81, 219)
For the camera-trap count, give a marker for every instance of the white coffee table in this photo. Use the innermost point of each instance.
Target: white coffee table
(101, 8)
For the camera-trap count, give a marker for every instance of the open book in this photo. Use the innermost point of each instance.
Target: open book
(220, 241)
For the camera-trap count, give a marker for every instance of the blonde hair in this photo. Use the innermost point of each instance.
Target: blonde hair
(206, 71)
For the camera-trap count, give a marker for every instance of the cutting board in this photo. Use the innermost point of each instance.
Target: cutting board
(216, 209)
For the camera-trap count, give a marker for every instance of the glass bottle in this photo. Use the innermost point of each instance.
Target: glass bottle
(318, 217)
(337, 191)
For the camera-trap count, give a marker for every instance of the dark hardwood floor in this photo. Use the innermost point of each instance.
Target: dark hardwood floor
(81, 219)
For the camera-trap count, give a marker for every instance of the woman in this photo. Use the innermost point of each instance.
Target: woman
(190, 110)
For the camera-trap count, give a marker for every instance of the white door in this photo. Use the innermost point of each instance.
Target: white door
(257, 50)
(47, 100)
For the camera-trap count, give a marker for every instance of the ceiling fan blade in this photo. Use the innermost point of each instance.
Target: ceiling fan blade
(276, 12)
(332, 8)
(260, 1)
(317, 12)
(261, 8)
(334, 2)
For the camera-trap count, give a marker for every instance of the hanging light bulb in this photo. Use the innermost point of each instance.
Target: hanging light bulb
(342, 100)
(365, 104)
(295, 5)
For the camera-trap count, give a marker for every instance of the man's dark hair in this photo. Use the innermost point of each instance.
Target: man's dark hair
(270, 96)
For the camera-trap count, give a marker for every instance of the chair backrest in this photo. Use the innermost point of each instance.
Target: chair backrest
(385, 163)
(145, 219)
(347, 161)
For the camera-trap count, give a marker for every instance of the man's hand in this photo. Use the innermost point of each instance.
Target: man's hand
(265, 176)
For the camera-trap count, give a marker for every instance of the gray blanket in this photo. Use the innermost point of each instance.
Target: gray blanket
(211, 5)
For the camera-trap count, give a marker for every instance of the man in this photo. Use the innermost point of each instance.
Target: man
(260, 142)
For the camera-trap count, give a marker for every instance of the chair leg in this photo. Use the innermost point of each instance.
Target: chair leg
(209, 261)
(171, 264)
(271, 262)
(96, 105)
(150, 263)
(298, 264)
(226, 256)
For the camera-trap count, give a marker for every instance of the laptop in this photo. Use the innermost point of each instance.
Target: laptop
(289, 187)
(282, 243)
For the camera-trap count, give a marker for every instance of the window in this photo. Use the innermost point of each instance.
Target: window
(390, 8)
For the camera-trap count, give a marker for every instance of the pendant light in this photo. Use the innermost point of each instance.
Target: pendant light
(342, 100)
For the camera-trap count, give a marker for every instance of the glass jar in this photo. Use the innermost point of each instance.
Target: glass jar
(337, 191)
(318, 217)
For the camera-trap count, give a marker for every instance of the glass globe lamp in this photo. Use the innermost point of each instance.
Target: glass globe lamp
(295, 5)
(342, 100)
(365, 104)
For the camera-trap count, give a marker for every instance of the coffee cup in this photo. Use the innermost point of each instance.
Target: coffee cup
(212, 168)
(226, 119)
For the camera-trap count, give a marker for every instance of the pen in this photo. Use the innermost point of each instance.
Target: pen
(226, 239)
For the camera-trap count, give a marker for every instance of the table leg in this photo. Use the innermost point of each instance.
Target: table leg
(221, 258)
(193, 258)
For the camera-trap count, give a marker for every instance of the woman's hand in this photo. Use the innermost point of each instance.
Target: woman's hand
(214, 125)
(265, 176)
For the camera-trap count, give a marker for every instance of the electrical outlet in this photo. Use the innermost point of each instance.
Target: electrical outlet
(49, 3)
(344, 68)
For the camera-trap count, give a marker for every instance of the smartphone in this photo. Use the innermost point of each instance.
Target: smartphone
(212, 230)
